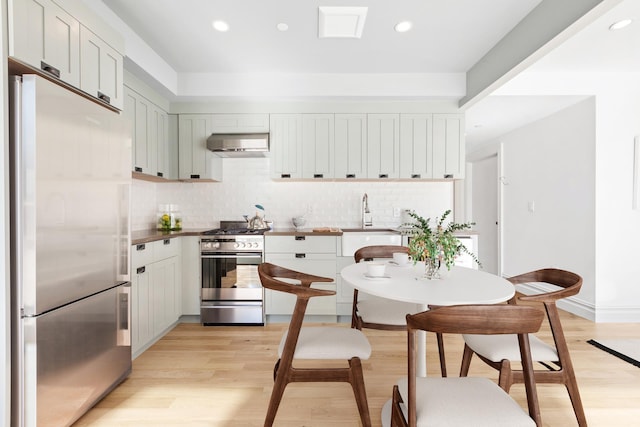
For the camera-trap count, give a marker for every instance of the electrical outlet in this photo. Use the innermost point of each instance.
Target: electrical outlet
(396, 212)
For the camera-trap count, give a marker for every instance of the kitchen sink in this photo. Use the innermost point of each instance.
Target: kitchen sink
(355, 238)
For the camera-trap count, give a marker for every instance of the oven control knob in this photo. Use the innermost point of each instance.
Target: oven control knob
(256, 245)
(239, 245)
(215, 245)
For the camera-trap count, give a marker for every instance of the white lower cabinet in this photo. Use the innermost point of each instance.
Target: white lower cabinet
(191, 275)
(344, 291)
(156, 288)
(309, 254)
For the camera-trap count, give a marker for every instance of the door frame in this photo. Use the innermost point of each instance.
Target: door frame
(484, 153)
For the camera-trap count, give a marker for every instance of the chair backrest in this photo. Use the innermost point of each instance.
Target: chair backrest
(478, 319)
(378, 251)
(270, 275)
(568, 281)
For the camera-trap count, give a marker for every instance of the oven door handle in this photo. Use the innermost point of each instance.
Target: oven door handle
(258, 256)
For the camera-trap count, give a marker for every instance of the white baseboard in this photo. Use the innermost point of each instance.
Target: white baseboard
(584, 309)
(572, 304)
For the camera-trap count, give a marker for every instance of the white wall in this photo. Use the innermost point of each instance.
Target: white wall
(551, 164)
(617, 223)
(577, 167)
(246, 182)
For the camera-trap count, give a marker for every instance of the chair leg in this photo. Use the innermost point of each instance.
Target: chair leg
(359, 391)
(466, 361)
(443, 362)
(576, 401)
(505, 378)
(275, 369)
(280, 384)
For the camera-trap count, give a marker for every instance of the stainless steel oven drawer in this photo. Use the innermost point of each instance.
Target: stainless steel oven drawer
(232, 313)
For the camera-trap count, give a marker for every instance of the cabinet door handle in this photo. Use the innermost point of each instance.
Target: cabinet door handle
(448, 175)
(301, 255)
(160, 174)
(318, 175)
(383, 175)
(49, 69)
(415, 176)
(141, 247)
(285, 175)
(300, 238)
(140, 270)
(137, 169)
(166, 241)
(195, 176)
(104, 97)
(351, 175)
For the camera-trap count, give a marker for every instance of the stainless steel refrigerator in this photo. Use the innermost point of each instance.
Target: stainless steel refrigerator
(70, 186)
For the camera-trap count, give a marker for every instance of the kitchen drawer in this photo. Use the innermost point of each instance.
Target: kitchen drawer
(300, 244)
(141, 255)
(166, 248)
(317, 264)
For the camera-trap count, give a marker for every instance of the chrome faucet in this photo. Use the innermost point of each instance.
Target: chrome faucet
(367, 221)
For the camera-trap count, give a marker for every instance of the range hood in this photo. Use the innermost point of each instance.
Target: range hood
(239, 144)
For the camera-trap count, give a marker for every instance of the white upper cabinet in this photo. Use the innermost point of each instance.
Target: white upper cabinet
(139, 111)
(448, 146)
(383, 145)
(286, 145)
(160, 130)
(318, 146)
(44, 36)
(240, 123)
(101, 72)
(350, 160)
(416, 146)
(196, 162)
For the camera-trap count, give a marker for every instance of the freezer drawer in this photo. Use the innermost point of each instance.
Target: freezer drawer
(73, 356)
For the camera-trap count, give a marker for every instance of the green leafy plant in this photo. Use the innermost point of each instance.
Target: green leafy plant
(438, 245)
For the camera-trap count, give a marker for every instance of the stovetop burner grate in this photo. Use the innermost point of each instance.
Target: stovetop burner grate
(233, 231)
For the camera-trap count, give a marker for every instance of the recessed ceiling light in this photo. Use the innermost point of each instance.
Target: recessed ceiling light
(620, 24)
(403, 27)
(220, 26)
(282, 26)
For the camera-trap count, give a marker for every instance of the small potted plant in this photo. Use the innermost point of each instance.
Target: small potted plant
(438, 246)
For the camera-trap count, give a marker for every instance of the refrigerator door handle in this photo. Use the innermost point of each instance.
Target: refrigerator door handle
(124, 243)
(124, 316)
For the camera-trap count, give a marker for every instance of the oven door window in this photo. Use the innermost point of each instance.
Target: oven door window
(231, 271)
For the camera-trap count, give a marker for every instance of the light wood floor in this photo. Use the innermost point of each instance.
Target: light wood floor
(222, 376)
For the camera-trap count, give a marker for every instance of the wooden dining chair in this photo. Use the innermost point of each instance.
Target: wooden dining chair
(320, 342)
(371, 312)
(470, 401)
(500, 351)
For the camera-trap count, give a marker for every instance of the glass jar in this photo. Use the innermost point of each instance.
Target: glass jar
(169, 218)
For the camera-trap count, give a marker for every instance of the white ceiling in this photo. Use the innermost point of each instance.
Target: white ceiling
(447, 36)
(447, 39)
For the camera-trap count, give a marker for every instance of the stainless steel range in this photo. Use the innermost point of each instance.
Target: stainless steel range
(231, 291)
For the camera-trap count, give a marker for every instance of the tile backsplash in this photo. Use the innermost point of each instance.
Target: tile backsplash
(246, 182)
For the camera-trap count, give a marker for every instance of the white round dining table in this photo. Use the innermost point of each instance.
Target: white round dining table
(460, 285)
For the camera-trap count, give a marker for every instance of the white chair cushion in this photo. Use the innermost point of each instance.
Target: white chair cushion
(384, 311)
(329, 342)
(501, 347)
(468, 401)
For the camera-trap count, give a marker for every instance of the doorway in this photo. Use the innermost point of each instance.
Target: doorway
(485, 209)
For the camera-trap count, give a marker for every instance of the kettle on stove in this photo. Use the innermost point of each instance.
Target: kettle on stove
(257, 222)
